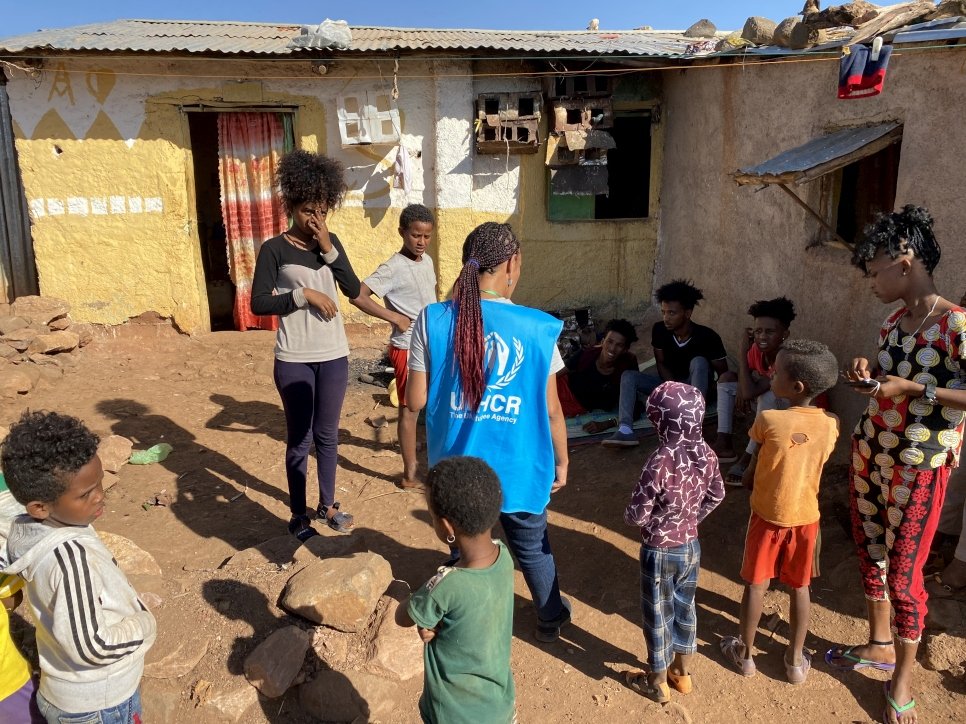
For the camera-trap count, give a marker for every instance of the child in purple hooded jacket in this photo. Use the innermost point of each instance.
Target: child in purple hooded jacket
(680, 484)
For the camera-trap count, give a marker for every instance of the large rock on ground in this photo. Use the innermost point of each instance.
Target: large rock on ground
(396, 652)
(114, 451)
(231, 704)
(273, 665)
(285, 549)
(14, 381)
(179, 662)
(945, 652)
(59, 323)
(339, 592)
(758, 30)
(20, 339)
(39, 310)
(337, 696)
(704, 28)
(84, 332)
(12, 324)
(54, 342)
(132, 560)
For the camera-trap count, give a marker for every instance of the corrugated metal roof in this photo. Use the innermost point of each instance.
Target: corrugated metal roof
(163, 36)
(820, 155)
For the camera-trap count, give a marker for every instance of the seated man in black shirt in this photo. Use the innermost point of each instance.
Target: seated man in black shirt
(685, 351)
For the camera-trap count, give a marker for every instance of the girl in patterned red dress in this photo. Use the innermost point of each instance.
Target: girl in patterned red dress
(905, 444)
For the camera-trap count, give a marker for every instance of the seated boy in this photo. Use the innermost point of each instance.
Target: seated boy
(593, 377)
(92, 629)
(406, 282)
(685, 351)
(784, 476)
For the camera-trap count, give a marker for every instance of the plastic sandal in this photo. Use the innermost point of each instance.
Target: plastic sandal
(735, 473)
(637, 680)
(797, 674)
(680, 683)
(340, 522)
(897, 709)
(734, 652)
(843, 659)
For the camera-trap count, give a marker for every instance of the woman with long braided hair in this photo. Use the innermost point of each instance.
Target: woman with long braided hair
(485, 370)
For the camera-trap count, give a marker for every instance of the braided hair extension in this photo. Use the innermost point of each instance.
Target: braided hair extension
(897, 233)
(486, 247)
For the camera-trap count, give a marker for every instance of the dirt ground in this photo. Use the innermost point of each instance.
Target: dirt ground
(213, 399)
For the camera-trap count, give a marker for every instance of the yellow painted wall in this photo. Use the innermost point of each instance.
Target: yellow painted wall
(115, 128)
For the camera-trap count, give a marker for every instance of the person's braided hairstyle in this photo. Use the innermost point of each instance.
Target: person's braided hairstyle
(897, 233)
(486, 247)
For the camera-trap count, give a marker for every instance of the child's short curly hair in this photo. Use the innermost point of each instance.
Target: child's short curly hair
(413, 213)
(466, 492)
(42, 451)
(811, 363)
(304, 176)
(624, 328)
(681, 291)
(897, 233)
(781, 308)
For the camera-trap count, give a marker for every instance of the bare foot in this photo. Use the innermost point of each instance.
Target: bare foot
(869, 652)
(897, 700)
(411, 484)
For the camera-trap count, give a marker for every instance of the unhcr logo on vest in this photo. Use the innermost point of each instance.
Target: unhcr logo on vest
(496, 405)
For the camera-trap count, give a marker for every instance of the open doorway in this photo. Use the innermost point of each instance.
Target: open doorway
(203, 128)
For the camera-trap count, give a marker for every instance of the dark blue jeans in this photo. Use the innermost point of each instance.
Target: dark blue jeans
(312, 395)
(127, 712)
(527, 538)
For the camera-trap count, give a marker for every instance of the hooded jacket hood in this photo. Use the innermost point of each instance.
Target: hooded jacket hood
(677, 412)
(30, 541)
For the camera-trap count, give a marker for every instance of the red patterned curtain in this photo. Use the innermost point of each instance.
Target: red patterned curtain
(249, 148)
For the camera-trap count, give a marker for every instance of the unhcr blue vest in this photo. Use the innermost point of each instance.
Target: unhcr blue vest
(510, 429)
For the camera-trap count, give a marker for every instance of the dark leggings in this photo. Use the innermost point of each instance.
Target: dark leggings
(312, 395)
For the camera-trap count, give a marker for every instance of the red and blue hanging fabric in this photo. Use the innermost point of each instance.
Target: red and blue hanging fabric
(859, 75)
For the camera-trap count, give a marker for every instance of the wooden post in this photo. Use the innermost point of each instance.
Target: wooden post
(838, 240)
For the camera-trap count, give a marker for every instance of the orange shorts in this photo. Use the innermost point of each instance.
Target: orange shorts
(400, 365)
(788, 554)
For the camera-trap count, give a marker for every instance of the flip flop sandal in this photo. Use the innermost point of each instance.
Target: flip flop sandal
(843, 659)
(340, 522)
(897, 709)
(733, 650)
(937, 589)
(797, 674)
(637, 680)
(680, 683)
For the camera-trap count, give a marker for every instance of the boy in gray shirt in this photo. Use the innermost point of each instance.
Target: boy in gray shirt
(406, 282)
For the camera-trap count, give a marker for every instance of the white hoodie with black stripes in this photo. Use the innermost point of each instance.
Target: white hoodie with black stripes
(92, 629)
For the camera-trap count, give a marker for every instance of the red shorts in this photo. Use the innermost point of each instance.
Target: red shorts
(400, 365)
(788, 554)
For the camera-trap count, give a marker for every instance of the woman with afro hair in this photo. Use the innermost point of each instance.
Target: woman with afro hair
(296, 276)
(905, 444)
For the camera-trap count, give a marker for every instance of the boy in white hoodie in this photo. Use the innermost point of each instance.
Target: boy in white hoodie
(92, 629)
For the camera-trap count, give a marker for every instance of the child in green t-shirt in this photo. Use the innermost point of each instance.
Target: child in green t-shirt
(464, 613)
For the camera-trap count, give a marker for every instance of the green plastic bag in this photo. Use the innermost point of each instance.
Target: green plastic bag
(154, 454)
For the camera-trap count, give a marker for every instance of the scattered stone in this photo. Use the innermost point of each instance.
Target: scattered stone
(160, 703)
(20, 339)
(110, 480)
(337, 696)
(54, 342)
(43, 359)
(12, 324)
(758, 30)
(704, 28)
(273, 665)
(15, 381)
(338, 592)
(84, 332)
(180, 661)
(39, 310)
(6, 351)
(114, 451)
(50, 373)
(59, 324)
(397, 652)
(232, 704)
(947, 614)
(945, 652)
(783, 31)
(130, 559)
(285, 549)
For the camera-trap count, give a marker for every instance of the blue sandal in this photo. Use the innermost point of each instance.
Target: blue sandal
(340, 522)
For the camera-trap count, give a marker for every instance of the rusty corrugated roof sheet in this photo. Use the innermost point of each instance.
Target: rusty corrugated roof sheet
(214, 37)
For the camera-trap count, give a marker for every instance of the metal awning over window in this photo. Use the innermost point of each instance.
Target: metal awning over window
(818, 157)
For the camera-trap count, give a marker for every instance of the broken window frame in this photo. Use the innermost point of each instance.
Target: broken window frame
(500, 126)
(368, 119)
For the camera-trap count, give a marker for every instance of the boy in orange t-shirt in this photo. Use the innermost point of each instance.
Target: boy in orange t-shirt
(783, 531)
